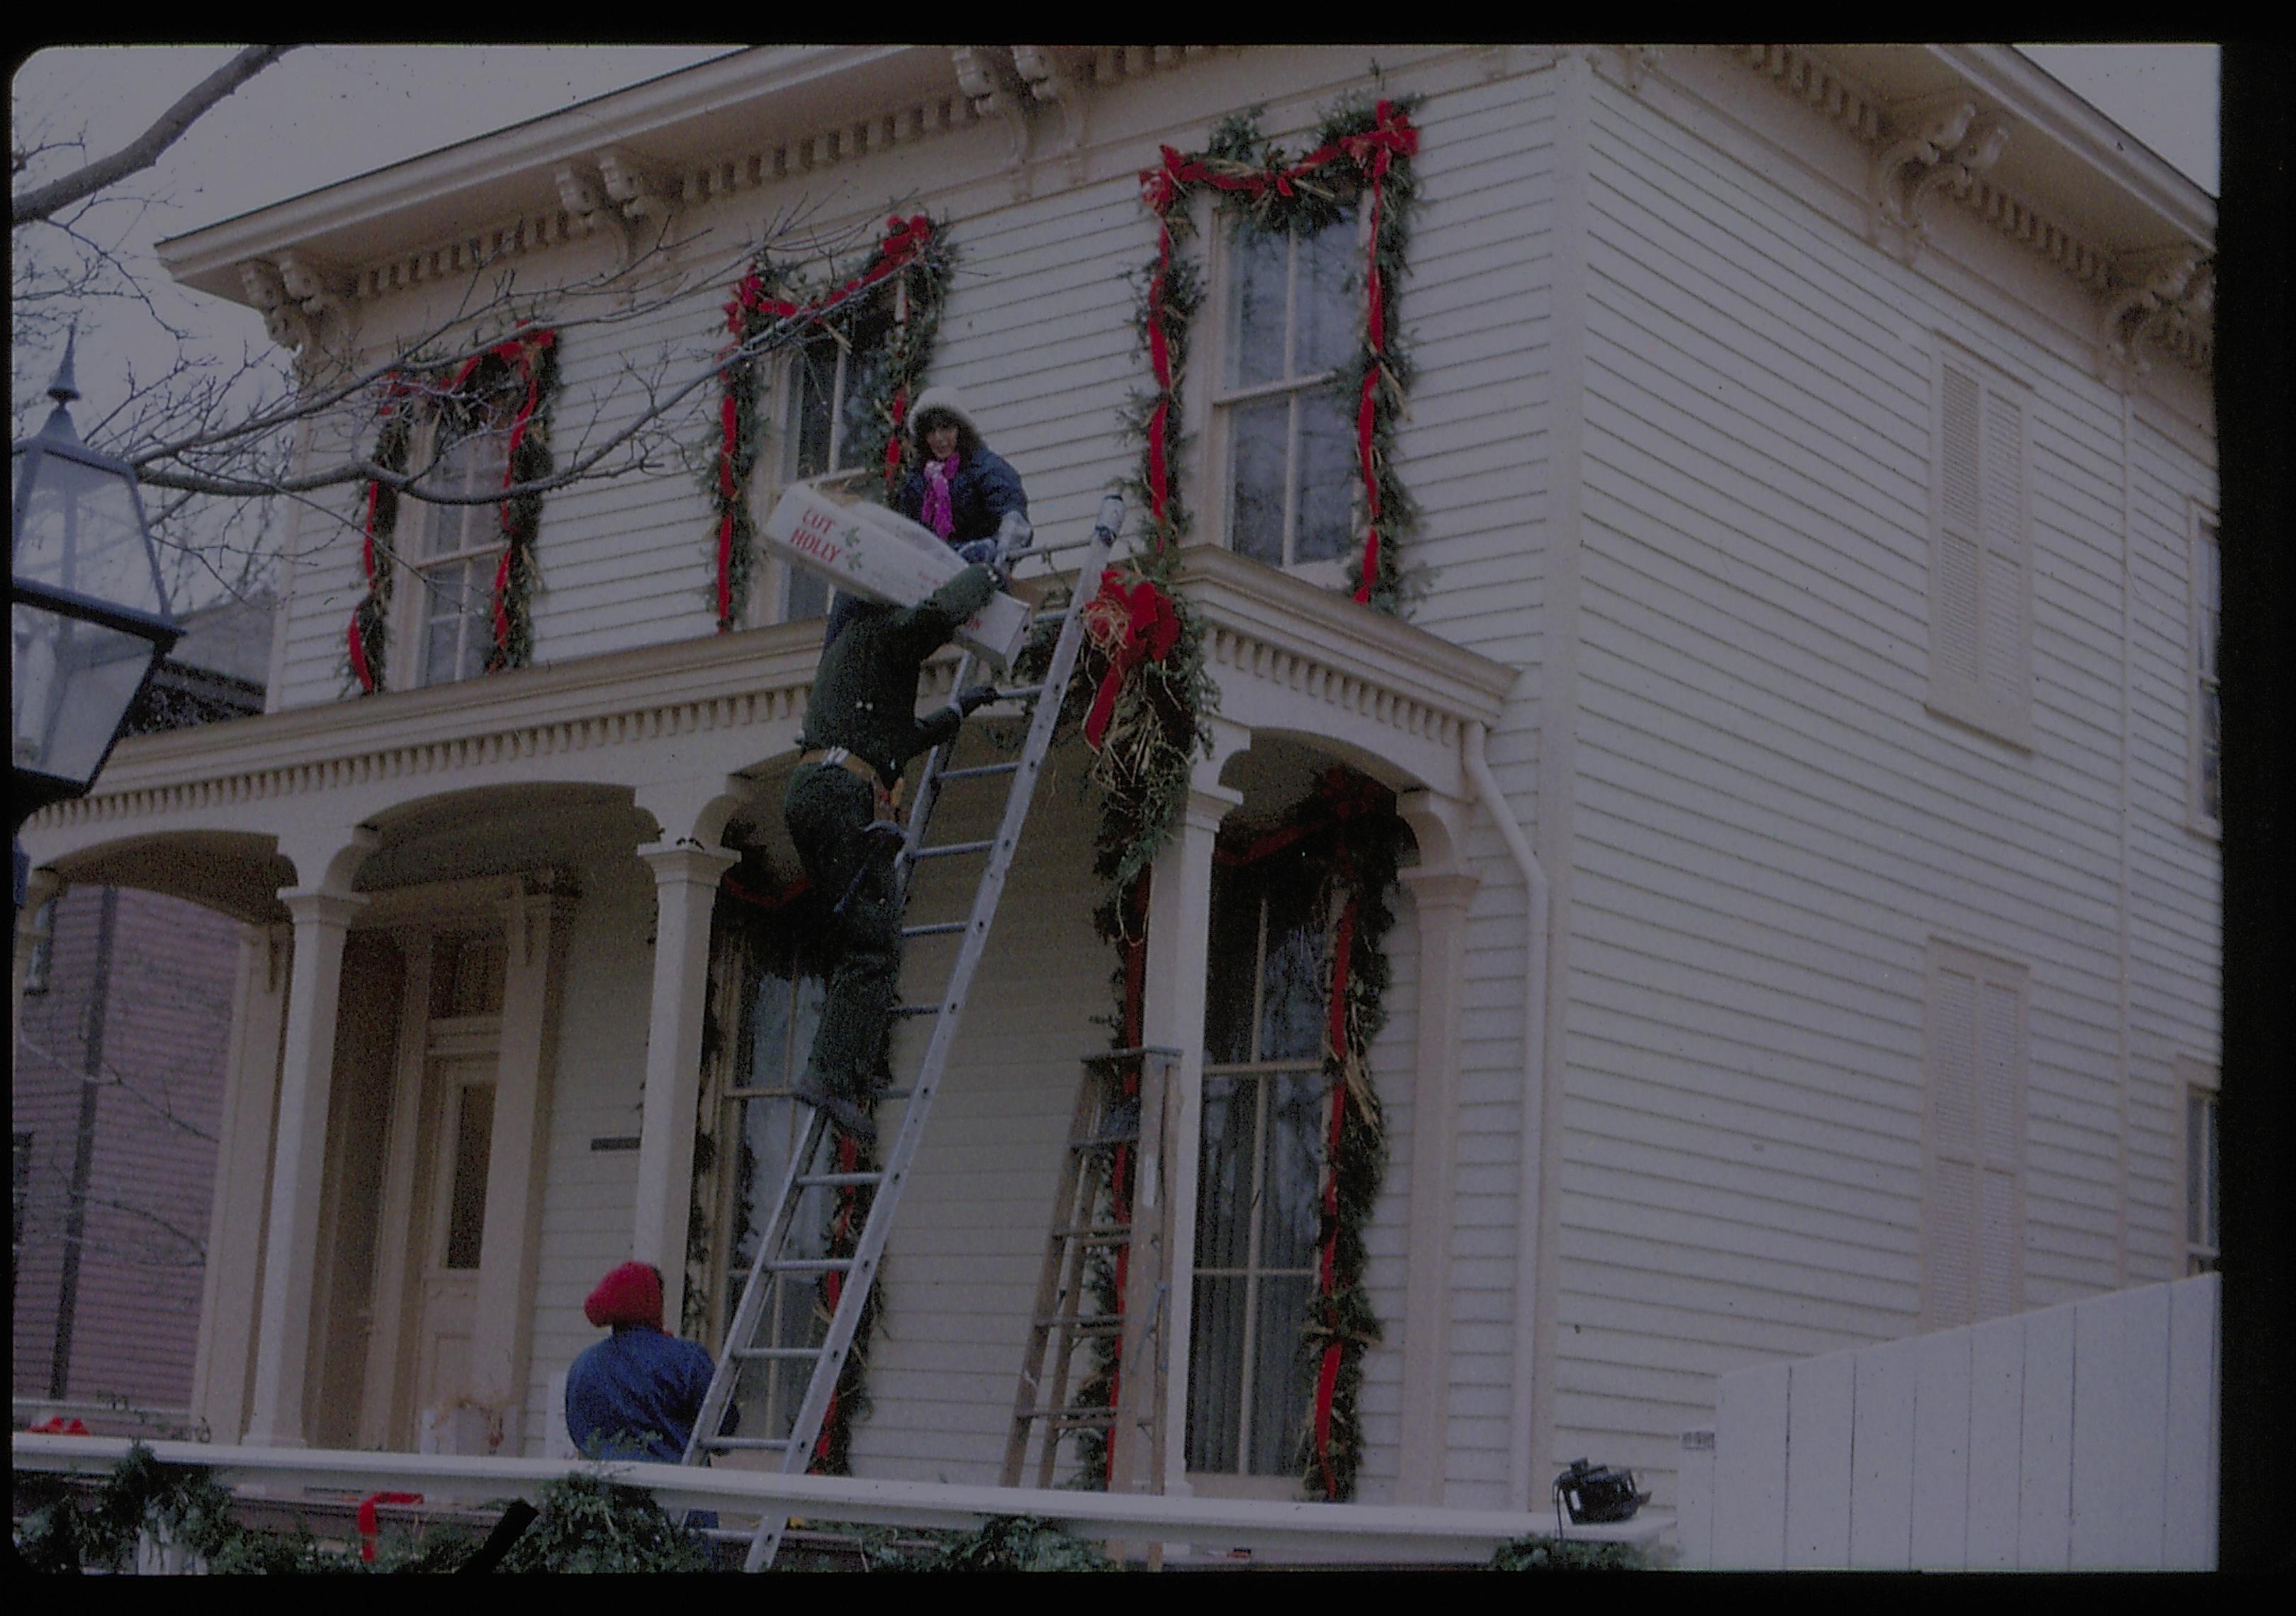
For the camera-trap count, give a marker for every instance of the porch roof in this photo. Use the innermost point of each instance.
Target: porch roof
(1289, 657)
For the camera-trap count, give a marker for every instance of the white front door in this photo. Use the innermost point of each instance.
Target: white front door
(459, 1095)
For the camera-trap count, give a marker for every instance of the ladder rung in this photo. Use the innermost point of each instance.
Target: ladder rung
(1089, 1324)
(946, 849)
(744, 1444)
(1020, 692)
(1102, 1141)
(776, 1352)
(1094, 1232)
(932, 1009)
(975, 771)
(940, 927)
(811, 1265)
(808, 1180)
(1071, 1416)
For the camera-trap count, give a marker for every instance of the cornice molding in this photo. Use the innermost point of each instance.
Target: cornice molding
(1265, 625)
(1947, 144)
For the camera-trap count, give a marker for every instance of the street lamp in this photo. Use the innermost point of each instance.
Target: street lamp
(88, 614)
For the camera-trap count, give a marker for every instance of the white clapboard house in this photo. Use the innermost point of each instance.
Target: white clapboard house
(1802, 718)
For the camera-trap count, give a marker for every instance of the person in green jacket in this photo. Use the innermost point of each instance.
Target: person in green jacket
(860, 730)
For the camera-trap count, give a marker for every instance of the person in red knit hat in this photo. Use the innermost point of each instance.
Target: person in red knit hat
(637, 1394)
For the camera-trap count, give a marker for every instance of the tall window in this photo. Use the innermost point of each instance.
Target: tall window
(1290, 439)
(457, 548)
(2197, 1088)
(1980, 582)
(1249, 1382)
(760, 1124)
(1973, 1211)
(42, 951)
(2207, 731)
(824, 411)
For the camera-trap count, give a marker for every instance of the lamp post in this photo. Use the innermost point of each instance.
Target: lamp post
(86, 612)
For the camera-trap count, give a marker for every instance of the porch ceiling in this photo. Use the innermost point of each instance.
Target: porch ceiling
(1289, 658)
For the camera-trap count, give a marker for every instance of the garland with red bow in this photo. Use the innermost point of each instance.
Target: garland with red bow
(524, 367)
(773, 305)
(1361, 154)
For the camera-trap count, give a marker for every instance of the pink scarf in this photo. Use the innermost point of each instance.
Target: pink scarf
(939, 515)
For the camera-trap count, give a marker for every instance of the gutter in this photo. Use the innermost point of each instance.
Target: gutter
(1534, 1106)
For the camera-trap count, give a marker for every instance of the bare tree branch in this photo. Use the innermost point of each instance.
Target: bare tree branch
(144, 150)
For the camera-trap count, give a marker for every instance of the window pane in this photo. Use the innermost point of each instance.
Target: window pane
(1291, 999)
(1328, 325)
(1256, 330)
(466, 1210)
(1329, 471)
(1292, 1185)
(1257, 452)
(1230, 968)
(813, 386)
(1282, 1388)
(865, 369)
(1216, 1375)
(1224, 1174)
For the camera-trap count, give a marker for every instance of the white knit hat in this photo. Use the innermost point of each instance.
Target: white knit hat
(939, 401)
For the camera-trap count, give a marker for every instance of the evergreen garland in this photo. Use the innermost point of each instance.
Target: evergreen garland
(1364, 150)
(776, 304)
(519, 373)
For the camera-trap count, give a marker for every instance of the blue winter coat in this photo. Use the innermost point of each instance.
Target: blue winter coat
(637, 1394)
(984, 488)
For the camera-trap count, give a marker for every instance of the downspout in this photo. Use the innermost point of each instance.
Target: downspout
(1533, 1133)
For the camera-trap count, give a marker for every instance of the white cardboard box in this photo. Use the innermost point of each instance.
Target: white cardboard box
(882, 555)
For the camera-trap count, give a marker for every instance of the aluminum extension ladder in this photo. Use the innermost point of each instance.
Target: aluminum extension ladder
(771, 1265)
(1121, 1123)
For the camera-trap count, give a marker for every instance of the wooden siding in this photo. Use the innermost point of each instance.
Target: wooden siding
(1769, 826)
(159, 1060)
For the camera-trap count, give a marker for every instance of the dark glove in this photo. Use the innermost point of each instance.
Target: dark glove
(978, 552)
(972, 696)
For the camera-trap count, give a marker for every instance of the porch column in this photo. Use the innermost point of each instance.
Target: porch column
(1172, 1014)
(1440, 898)
(686, 888)
(223, 1372)
(282, 1353)
(534, 927)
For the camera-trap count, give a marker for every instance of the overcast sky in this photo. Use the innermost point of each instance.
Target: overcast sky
(325, 113)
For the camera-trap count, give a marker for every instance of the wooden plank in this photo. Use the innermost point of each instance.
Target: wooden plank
(1820, 1421)
(1996, 1426)
(2119, 1429)
(2189, 1471)
(1882, 1454)
(1938, 1512)
(2046, 1443)
(1750, 1470)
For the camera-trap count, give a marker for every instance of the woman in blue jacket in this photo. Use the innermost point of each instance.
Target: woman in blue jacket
(961, 489)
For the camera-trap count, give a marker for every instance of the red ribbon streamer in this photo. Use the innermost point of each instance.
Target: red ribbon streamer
(1133, 623)
(1327, 1379)
(368, 1526)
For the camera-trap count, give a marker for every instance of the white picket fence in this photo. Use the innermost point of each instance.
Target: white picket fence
(2079, 1437)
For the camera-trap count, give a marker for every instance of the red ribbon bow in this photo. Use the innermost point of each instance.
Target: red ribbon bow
(1132, 623)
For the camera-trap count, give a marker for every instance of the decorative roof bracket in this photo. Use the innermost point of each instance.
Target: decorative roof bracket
(1939, 144)
(2163, 291)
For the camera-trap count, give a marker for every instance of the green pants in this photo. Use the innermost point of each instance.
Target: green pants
(828, 810)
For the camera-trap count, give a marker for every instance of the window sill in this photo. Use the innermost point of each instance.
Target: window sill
(2014, 733)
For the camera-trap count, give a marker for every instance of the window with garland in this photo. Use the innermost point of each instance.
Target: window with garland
(457, 548)
(1294, 314)
(824, 406)
(1251, 1382)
